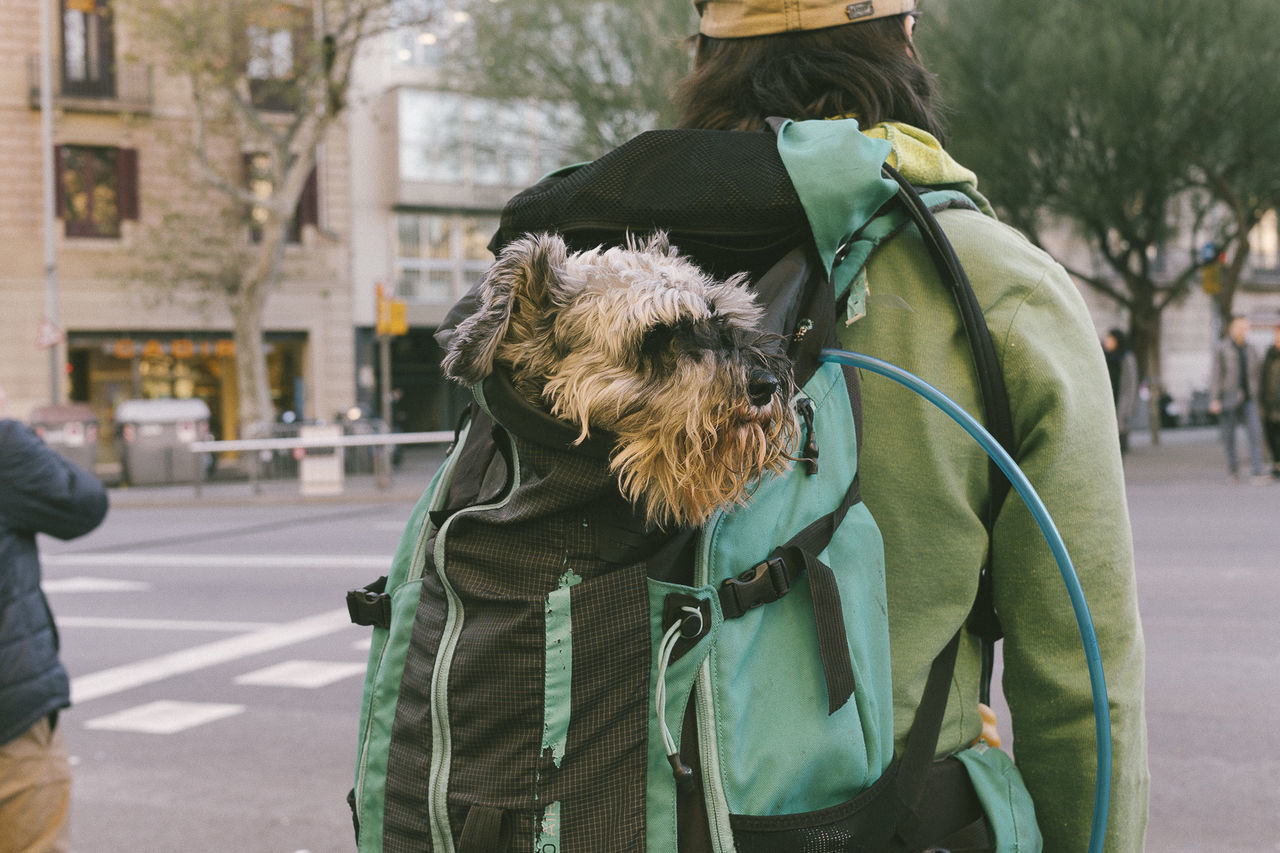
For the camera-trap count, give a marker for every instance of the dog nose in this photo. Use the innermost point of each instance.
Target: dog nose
(761, 387)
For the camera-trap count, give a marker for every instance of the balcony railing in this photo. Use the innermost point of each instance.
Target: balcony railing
(127, 88)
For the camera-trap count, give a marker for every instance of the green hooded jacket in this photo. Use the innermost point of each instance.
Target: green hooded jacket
(925, 481)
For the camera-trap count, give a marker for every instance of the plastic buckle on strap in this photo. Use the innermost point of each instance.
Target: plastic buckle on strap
(761, 584)
(371, 605)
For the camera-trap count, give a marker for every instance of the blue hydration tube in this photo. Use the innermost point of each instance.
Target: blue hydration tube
(1101, 709)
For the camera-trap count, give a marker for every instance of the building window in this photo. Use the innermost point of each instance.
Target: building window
(97, 189)
(257, 168)
(277, 47)
(427, 47)
(440, 256)
(1264, 243)
(447, 138)
(88, 50)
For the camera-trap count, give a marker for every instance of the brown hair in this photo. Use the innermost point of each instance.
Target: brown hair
(870, 71)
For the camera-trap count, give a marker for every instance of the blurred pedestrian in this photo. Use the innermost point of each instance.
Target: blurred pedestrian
(1122, 365)
(820, 59)
(1269, 399)
(40, 492)
(1233, 396)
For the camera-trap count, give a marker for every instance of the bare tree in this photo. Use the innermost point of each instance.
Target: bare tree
(267, 80)
(611, 65)
(1137, 123)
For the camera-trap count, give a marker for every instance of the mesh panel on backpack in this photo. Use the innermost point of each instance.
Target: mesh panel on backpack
(726, 219)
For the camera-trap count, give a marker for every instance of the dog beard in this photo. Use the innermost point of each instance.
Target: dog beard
(682, 473)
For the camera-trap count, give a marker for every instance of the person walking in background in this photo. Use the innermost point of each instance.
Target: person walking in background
(40, 492)
(1123, 367)
(820, 59)
(1233, 396)
(1269, 401)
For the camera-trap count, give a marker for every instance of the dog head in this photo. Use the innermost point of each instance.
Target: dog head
(639, 342)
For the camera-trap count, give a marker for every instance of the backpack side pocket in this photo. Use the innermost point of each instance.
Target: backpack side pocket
(1004, 797)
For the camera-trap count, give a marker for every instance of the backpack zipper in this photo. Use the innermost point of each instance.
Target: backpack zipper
(704, 714)
(415, 573)
(441, 737)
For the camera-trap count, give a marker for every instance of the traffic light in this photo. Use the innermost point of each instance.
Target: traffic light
(1211, 261)
(391, 319)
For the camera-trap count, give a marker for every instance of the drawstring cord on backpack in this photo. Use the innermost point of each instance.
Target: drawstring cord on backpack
(682, 771)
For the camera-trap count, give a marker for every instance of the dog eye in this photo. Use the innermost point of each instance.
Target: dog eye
(656, 342)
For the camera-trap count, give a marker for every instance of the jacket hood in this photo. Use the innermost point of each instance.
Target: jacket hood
(921, 159)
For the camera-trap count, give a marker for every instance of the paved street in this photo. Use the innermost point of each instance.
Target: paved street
(1209, 580)
(217, 679)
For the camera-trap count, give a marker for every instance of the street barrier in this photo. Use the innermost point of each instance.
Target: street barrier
(329, 443)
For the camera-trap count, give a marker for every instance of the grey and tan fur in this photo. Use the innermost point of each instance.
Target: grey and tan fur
(639, 342)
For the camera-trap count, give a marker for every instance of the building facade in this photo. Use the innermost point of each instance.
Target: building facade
(115, 121)
(431, 172)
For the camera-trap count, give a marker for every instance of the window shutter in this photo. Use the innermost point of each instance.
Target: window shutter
(127, 183)
(59, 190)
(308, 212)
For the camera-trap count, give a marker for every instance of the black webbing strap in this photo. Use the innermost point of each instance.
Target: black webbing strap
(922, 740)
(484, 831)
(983, 619)
(771, 579)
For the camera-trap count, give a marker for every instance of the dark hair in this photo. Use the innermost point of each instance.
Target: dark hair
(870, 71)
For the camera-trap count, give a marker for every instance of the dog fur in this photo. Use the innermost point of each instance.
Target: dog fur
(637, 341)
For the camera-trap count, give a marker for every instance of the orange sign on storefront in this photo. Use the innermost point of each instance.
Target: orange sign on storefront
(127, 348)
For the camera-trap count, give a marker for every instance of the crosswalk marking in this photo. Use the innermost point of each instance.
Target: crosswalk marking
(302, 673)
(121, 678)
(148, 560)
(164, 717)
(211, 626)
(84, 584)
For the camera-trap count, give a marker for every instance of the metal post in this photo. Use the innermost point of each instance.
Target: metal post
(47, 166)
(384, 370)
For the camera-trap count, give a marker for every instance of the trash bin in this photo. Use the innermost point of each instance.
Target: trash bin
(153, 436)
(320, 468)
(70, 429)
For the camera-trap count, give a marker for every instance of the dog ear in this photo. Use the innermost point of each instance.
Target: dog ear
(658, 244)
(513, 291)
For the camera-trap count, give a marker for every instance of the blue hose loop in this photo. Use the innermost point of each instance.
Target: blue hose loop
(1101, 707)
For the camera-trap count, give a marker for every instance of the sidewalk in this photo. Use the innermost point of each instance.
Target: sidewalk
(1184, 457)
(406, 485)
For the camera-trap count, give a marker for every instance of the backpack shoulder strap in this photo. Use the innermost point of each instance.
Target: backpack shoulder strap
(983, 619)
(843, 183)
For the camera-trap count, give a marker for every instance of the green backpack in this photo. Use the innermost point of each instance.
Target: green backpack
(549, 674)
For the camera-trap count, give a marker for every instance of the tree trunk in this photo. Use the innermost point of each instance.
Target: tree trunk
(254, 388)
(1145, 329)
(248, 307)
(1155, 385)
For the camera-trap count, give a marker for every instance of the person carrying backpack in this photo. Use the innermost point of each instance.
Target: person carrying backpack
(926, 484)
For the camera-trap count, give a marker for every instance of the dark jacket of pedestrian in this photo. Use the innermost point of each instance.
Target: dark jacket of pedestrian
(1226, 384)
(40, 492)
(1269, 387)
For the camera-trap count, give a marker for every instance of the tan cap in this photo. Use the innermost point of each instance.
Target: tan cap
(731, 19)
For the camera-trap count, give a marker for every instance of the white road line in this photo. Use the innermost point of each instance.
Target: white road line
(160, 624)
(83, 584)
(164, 717)
(308, 674)
(121, 678)
(219, 561)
